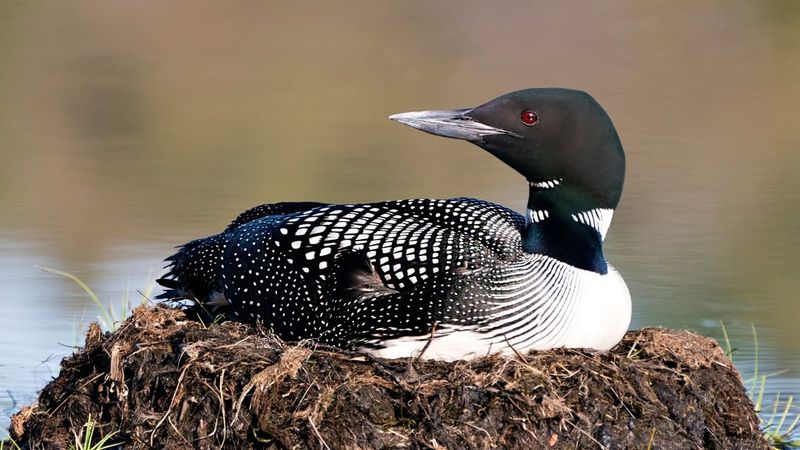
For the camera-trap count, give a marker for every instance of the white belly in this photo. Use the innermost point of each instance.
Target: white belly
(595, 314)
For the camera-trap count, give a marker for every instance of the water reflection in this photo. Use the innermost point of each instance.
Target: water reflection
(126, 128)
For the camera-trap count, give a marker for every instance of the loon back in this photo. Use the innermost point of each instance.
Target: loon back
(476, 276)
(305, 268)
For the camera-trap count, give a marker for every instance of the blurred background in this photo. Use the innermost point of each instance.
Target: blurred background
(127, 128)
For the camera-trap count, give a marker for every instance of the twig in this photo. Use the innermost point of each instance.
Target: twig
(322, 443)
(50, 414)
(575, 427)
(235, 343)
(622, 403)
(479, 429)
(169, 409)
(303, 397)
(516, 352)
(427, 344)
(222, 407)
(145, 297)
(169, 419)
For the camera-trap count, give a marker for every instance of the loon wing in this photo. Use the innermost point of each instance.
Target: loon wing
(343, 273)
(497, 227)
(271, 209)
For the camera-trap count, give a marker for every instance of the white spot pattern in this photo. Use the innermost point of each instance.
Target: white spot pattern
(457, 262)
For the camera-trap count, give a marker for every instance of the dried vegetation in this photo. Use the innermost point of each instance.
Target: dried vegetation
(163, 380)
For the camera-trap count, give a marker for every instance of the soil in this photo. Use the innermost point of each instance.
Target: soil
(166, 381)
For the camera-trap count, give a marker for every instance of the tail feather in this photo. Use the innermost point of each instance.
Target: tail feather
(174, 289)
(182, 279)
(194, 271)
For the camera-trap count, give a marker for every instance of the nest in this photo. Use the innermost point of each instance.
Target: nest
(166, 381)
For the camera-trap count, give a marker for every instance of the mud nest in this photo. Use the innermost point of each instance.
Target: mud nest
(166, 381)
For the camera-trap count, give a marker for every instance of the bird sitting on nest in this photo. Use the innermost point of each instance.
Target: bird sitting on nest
(458, 277)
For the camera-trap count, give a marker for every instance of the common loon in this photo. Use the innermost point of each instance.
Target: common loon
(451, 279)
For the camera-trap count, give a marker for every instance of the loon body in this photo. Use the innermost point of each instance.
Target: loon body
(459, 277)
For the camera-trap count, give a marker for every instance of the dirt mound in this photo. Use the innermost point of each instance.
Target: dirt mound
(164, 381)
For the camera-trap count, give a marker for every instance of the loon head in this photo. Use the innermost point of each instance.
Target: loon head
(560, 140)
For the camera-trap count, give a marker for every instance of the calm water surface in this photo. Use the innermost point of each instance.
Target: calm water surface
(129, 127)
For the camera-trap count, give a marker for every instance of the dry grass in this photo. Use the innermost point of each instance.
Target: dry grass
(163, 380)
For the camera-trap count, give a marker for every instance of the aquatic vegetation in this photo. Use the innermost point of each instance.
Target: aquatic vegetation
(110, 316)
(84, 440)
(776, 420)
(10, 442)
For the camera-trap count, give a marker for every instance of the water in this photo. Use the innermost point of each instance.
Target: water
(129, 127)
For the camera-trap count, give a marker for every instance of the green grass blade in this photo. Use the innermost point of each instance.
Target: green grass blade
(794, 424)
(774, 413)
(106, 318)
(728, 348)
(760, 396)
(7, 438)
(103, 443)
(88, 430)
(773, 432)
(150, 282)
(84, 440)
(124, 306)
(784, 414)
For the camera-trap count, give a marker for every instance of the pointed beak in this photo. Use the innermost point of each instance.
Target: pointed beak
(454, 123)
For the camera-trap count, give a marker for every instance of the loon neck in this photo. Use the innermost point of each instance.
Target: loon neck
(566, 226)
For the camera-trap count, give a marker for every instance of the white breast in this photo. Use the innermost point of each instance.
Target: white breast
(572, 308)
(604, 313)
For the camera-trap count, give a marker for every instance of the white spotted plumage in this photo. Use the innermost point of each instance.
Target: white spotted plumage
(455, 262)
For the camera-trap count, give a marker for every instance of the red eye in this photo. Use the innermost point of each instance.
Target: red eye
(529, 118)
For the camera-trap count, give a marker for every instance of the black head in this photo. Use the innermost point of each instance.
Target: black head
(553, 137)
